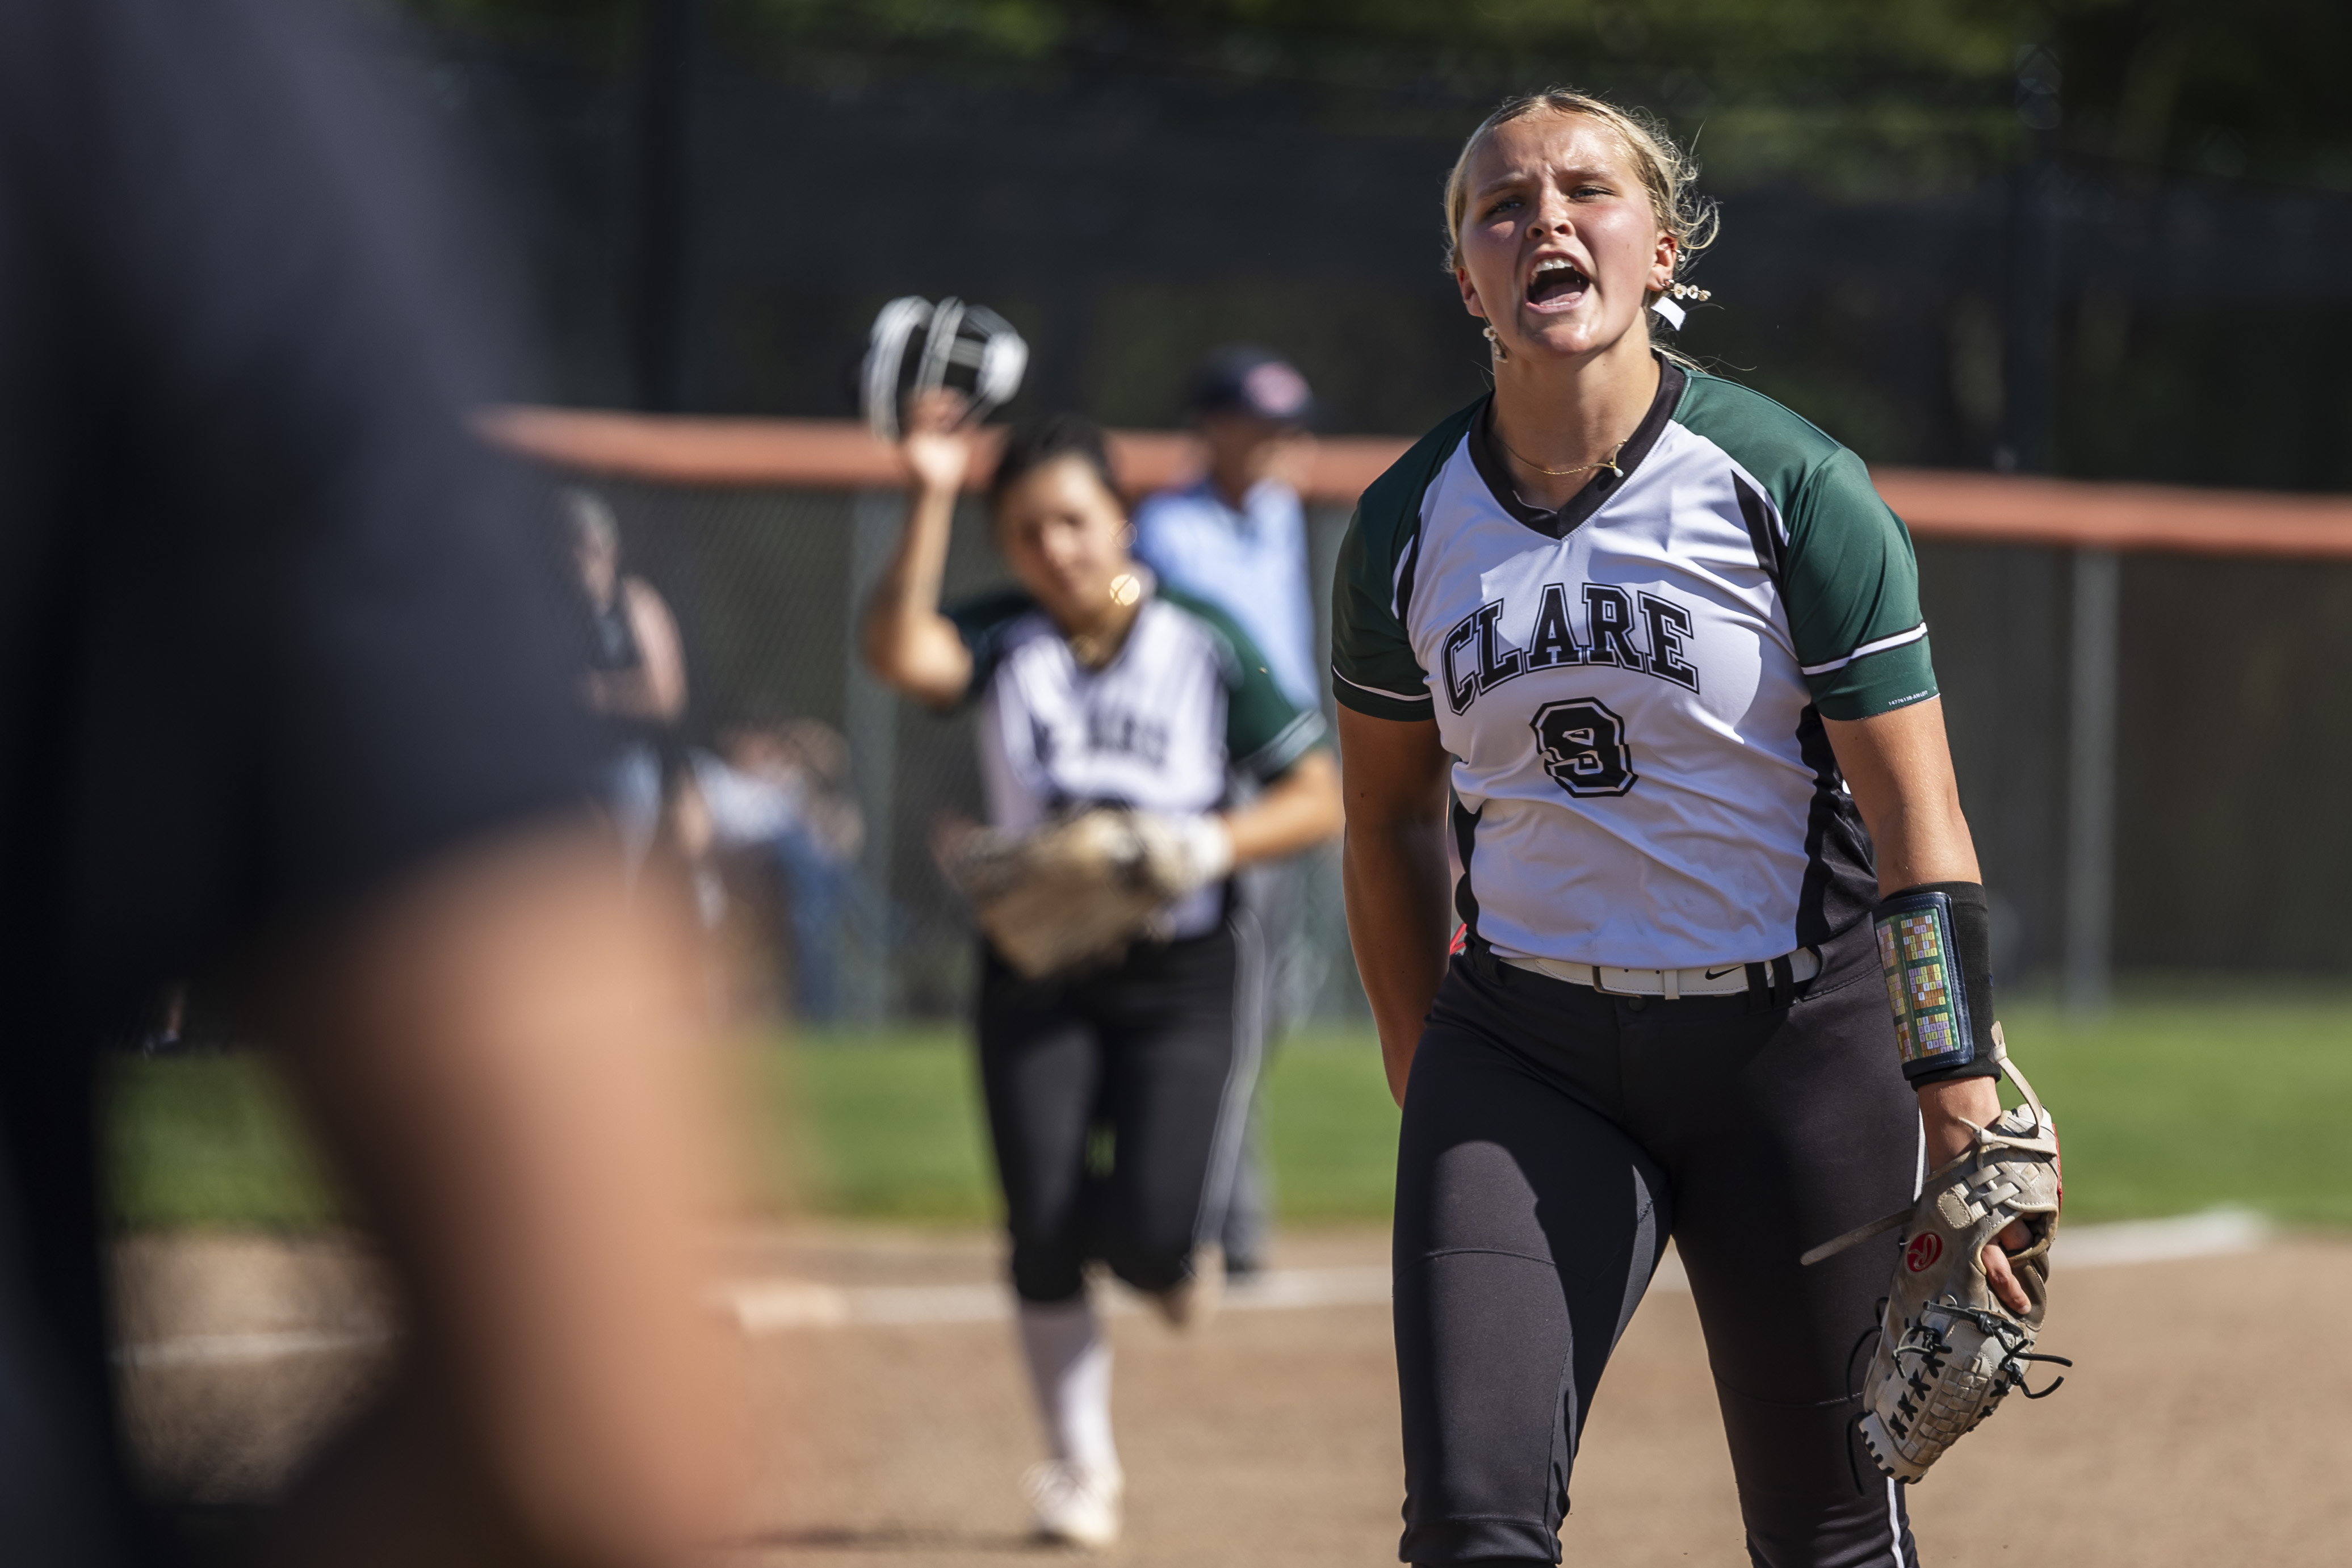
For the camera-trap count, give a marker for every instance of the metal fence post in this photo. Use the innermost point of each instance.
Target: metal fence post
(2091, 779)
(1341, 995)
(2030, 355)
(870, 719)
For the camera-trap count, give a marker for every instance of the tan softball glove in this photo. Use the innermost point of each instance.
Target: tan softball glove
(1075, 893)
(1948, 1351)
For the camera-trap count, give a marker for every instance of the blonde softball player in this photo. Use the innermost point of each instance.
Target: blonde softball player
(1630, 662)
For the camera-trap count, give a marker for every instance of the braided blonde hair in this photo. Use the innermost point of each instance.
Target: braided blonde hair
(1667, 173)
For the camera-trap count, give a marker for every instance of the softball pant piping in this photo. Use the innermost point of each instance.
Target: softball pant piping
(1906, 1556)
(1228, 1138)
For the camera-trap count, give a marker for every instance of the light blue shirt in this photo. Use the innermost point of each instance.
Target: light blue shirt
(1250, 564)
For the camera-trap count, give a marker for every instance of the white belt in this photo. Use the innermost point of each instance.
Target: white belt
(1705, 980)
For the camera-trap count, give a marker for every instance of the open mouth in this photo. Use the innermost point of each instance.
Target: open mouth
(1555, 280)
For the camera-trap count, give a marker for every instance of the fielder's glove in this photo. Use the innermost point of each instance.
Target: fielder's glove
(1076, 891)
(1948, 1350)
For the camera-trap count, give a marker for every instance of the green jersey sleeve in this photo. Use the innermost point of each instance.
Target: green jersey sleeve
(1373, 669)
(1840, 556)
(1850, 583)
(982, 624)
(1265, 732)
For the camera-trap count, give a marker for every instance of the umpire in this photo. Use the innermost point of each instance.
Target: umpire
(1236, 537)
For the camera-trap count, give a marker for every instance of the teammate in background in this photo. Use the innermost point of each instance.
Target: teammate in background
(1662, 642)
(1096, 686)
(636, 670)
(1237, 538)
(285, 696)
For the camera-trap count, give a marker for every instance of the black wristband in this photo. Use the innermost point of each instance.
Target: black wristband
(1934, 946)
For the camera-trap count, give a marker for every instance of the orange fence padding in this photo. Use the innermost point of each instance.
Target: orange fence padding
(839, 454)
(1992, 508)
(2017, 509)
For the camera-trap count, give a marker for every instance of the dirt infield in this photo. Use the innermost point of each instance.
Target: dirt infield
(2205, 1423)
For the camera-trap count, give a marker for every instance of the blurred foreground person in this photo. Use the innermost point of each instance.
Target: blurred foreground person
(1115, 720)
(285, 695)
(1236, 536)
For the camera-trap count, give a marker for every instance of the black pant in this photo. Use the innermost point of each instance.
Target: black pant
(1160, 1052)
(1553, 1138)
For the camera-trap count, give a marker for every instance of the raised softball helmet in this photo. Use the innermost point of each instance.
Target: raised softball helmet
(916, 347)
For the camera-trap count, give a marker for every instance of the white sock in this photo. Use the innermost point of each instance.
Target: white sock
(1069, 1367)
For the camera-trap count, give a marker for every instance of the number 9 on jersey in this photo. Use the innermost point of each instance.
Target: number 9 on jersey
(1584, 747)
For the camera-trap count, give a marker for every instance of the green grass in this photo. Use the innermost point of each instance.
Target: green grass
(1330, 1128)
(210, 1140)
(884, 1126)
(890, 1127)
(2165, 1107)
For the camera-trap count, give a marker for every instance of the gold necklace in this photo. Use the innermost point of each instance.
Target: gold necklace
(1096, 648)
(1609, 462)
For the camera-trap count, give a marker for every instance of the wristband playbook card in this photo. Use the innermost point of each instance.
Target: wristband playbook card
(1919, 952)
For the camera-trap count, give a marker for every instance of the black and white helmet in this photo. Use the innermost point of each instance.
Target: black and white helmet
(917, 346)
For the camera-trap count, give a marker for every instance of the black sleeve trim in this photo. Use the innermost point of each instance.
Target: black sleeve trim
(1763, 529)
(1401, 599)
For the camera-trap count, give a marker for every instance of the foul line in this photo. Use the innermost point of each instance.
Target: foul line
(784, 1305)
(230, 1349)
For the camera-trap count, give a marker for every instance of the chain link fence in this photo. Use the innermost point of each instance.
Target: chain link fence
(2233, 742)
(765, 583)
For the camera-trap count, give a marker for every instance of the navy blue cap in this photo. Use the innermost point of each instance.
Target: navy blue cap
(1243, 379)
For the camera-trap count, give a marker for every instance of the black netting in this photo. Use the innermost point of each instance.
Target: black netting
(2231, 742)
(764, 584)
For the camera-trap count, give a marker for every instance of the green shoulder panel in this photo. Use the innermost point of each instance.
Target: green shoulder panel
(981, 623)
(1776, 445)
(1847, 573)
(1372, 665)
(1265, 732)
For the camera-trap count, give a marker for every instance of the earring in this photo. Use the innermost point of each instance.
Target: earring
(1500, 351)
(1670, 313)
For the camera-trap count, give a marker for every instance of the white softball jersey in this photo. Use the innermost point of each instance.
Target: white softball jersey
(1183, 713)
(1632, 688)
